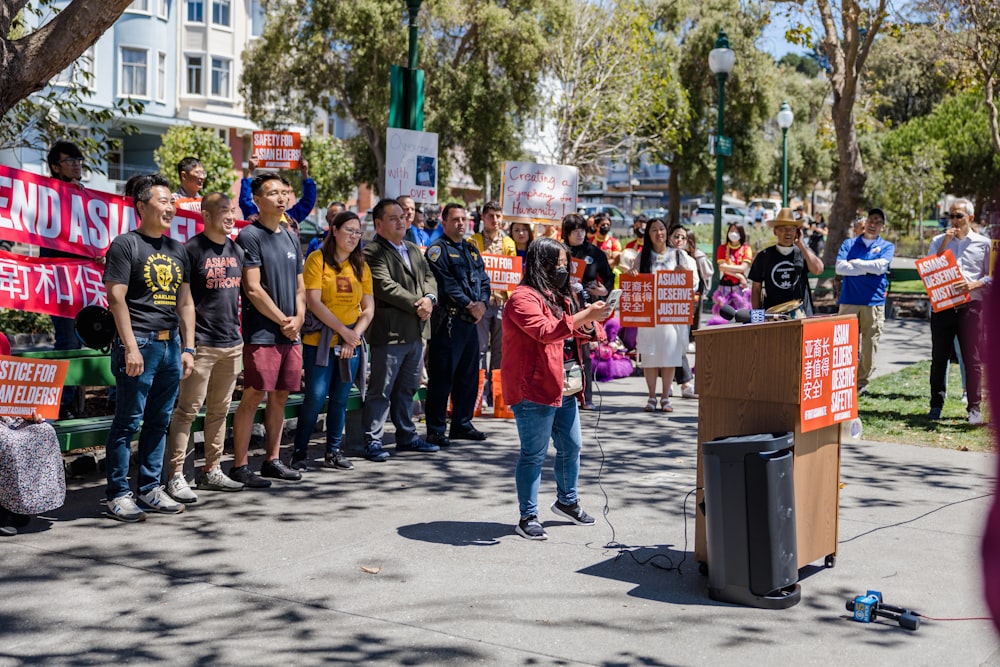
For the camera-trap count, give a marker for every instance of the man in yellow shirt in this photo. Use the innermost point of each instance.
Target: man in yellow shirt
(492, 241)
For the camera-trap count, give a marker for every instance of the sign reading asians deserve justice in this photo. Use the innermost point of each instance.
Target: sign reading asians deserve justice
(829, 379)
(31, 386)
(940, 274)
(532, 192)
(651, 299)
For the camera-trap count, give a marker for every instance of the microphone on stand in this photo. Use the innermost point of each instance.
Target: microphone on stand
(745, 316)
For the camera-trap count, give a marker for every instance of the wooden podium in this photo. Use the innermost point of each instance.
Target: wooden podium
(749, 381)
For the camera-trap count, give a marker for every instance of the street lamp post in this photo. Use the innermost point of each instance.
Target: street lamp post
(785, 118)
(413, 6)
(720, 60)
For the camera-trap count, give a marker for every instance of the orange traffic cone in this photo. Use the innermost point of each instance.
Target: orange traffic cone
(500, 409)
(478, 412)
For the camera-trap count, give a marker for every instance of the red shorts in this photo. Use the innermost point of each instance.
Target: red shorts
(272, 367)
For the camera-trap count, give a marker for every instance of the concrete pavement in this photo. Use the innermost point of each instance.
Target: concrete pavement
(415, 562)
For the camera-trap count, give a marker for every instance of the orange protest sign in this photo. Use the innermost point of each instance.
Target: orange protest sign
(504, 271)
(829, 379)
(277, 150)
(940, 274)
(31, 386)
(674, 292)
(189, 203)
(637, 305)
(577, 267)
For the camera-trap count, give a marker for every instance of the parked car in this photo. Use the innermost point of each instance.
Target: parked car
(767, 208)
(705, 215)
(619, 220)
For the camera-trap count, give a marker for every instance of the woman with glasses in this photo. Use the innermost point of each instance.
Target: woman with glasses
(339, 295)
(662, 348)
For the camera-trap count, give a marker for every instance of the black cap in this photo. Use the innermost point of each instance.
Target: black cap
(878, 211)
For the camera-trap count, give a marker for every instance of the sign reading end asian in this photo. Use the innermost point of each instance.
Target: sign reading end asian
(829, 379)
(31, 386)
(532, 192)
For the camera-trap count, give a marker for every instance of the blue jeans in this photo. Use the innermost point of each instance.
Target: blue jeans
(148, 398)
(536, 425)
(323, 381)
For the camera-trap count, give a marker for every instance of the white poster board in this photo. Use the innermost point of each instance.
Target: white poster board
(411, 165)
(538, 192)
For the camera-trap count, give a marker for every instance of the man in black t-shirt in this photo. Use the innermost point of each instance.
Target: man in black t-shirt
(216, 271)
(274, 308)
(147, 277)
(779, 273)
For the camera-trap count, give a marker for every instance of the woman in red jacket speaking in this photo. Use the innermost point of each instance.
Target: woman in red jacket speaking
(543, 329)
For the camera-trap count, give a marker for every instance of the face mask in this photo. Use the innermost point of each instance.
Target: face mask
(734, 237)
(785, 250)
(639, 233)
(560, 276)
(605, 229)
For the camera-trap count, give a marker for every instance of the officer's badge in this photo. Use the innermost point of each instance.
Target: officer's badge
(433, 253)
(589, 259)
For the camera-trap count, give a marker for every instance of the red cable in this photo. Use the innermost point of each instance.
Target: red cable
(967, 618)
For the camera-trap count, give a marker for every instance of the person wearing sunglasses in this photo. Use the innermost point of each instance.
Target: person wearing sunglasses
(972, 252)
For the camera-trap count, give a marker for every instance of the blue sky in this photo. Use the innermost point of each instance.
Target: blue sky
(773, 40)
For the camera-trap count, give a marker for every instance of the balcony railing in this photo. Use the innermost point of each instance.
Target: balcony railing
(123, 172)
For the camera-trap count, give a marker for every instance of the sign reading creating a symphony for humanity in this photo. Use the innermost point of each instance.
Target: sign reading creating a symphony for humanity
(411, 165)
(532, 192)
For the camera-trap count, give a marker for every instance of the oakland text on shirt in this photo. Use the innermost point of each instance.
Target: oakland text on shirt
(163, 275)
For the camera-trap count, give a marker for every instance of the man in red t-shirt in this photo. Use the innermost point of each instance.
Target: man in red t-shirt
(605, 241)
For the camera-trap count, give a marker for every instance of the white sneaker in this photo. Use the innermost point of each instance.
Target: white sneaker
(157, 500)
(124, 509)
(216, 480)
(975, 417)
(179, 490)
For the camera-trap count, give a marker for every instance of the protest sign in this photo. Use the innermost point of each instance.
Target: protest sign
(277, 150)
(411, 165)
(31, 386)
(674, 297)
(576, 268)
(940, 274)
(829, 372)
(637, 306)
(504, 271)
(532, 192)
(188, 203)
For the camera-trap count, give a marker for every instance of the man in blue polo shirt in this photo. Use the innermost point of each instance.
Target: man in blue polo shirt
(864, 264)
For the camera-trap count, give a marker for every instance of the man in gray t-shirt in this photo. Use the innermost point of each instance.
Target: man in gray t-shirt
(274, 308)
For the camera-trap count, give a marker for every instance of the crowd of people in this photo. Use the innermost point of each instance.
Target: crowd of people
(416, 300)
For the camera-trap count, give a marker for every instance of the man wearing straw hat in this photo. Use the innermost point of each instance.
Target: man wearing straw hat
(778, 274)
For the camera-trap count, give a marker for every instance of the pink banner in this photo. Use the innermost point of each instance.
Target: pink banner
(50, 286)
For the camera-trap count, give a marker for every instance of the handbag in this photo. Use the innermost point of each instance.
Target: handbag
(572, 378)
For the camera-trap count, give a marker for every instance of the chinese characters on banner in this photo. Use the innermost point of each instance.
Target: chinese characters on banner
(504, 271)
(637, 307)
(829, 379)
(277, 150)
(59, 287)
(31, 386)
(662, 298)
(940, 273)
(532, 192)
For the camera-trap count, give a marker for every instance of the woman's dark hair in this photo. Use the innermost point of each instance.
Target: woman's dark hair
(646, 256)
(739, 228)
(570, 224)
(531, 232)
(356, 258)
(540, 262)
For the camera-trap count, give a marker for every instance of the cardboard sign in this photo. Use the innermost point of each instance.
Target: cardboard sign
(504, 271)
(940, 274)
(674, 297)
(829, 381)
(31, 386)
(532, 192)
(277, 150)
(411, 165)
(576, 268)
(637, 307)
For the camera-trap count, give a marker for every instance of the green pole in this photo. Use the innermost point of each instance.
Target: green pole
(720, 161)
(413, 6)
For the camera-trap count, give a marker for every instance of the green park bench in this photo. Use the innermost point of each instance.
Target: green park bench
(91, 368)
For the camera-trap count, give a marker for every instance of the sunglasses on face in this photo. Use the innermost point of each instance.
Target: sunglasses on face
(956, 216)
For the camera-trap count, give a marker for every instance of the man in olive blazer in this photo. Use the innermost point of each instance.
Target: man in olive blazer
(405, 295)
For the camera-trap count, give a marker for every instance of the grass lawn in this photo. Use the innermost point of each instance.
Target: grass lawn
(895, 410)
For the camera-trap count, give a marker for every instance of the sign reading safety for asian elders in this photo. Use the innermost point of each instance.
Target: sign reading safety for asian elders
(674, 297)
(532, 192)
(940, 274)
(504, 271)
(637, 307)
(31, 386)
(829, 372)
(277, 150)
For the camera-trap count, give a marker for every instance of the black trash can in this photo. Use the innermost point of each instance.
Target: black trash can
(750, 520)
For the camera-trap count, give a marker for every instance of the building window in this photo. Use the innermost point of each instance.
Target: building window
(220, 77)
(161, 76)
(256, 18)
(196, 11)
(80, 72)
(141, 6)
(220, 12)
(163, 8)
(133, 77)
(195, 67)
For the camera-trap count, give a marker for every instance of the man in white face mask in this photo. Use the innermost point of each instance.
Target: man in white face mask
(779, 273)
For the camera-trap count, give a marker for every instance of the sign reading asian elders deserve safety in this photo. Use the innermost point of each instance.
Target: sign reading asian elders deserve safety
(411, 165)
(637, 307)
(532, 192)
(829, 381)
(31, 386)
(277, 150)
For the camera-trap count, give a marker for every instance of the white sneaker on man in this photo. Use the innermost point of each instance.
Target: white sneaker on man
(179, 489)
(216, 480)
(124, 509)
(157, 500)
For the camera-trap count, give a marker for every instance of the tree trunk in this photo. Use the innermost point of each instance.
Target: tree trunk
(851, 178)
(29, 63)
(675, 197)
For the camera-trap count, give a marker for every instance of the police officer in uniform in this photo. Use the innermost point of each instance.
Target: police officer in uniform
(453, 354)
